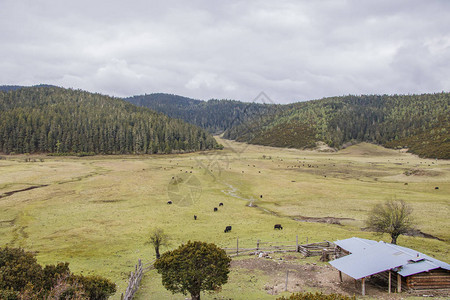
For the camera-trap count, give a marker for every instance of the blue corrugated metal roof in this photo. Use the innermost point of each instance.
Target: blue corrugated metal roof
(376, 257)
(355, 244)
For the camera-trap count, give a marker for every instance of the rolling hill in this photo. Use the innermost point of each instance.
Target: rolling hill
(56, 120)
(420, 123)
(216, 116)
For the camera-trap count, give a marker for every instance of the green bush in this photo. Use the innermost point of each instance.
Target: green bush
(96, 287)
(316, 296)
(21, 277)
(9, 294)
(19, 268)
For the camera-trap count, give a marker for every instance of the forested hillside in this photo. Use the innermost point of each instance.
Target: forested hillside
(7, 88)
(57, 120)
(214, 115)
(418, 122)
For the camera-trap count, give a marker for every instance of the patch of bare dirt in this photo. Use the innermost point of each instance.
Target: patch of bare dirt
(323, 147)
(419, 172)
(302, 277)
(328, 220)
(417, 232)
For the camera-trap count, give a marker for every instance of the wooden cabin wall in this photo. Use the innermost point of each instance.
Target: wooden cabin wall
(434, 279)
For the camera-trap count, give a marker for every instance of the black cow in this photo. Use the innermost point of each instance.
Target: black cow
(215, 209)
(220, 204)
(227, 229)
(436, 188)
(278, 226)
(195, 217)
(169, 202)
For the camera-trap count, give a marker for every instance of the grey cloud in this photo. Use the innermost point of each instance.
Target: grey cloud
(292, 50)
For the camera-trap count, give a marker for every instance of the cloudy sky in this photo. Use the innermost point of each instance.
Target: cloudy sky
(291, 50)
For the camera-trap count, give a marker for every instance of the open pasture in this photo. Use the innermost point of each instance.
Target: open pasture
(95, 212)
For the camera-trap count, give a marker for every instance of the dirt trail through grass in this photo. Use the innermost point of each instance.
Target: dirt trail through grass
(7, 194)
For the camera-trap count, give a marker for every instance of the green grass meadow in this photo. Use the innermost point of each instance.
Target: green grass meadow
(96, 212)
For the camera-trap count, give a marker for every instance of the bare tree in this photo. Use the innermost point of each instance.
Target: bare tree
(392, 217)
(158, 238)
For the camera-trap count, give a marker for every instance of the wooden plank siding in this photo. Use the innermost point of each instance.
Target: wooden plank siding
(433, 279)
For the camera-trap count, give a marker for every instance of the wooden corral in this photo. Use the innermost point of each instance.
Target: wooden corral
(316, 249)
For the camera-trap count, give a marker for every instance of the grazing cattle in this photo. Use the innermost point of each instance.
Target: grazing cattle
(278, 226)
(220, 204)
(436, 188)
(227, 229)
(195, 217)
(169, 202)
(260, 196)
(215, 209)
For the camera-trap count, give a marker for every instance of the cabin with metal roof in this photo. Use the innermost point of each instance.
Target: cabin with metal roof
(401, 266)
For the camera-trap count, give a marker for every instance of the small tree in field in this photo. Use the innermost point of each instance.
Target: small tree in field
(392, 217)
(158, 238)
(194, 267)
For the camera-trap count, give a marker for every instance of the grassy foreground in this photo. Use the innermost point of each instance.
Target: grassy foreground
(95, 212)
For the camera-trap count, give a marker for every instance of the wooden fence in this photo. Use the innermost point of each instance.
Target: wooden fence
(312, 249)
(316, 249)
(323, 248)
(135, 279)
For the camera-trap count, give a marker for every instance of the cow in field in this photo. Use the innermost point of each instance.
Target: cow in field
(215, 209)
(195, 217)
(220, 204)
(227, 229)
(169, 202)
(278, 226)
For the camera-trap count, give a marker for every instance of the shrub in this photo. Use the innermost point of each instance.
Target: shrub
(96, 287)
(19, 268)
(317, 296)
(21, 277)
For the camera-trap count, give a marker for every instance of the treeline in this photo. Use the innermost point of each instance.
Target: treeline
(214, 115)
(418, 122)
(7, 88)
(57, 120)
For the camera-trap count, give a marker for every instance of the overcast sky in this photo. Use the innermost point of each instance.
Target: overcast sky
(291, 50)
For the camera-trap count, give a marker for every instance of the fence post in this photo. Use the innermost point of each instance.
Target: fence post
(237, 246)
(287, 278)
(257, 245)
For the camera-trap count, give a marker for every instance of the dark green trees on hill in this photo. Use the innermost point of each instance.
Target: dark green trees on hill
(216, 116)
(56, 120)
(418, 122)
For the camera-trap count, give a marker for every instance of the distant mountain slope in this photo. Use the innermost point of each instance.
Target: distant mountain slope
(57, 120)
(7, 88)
(418, 122)
(214, 115)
